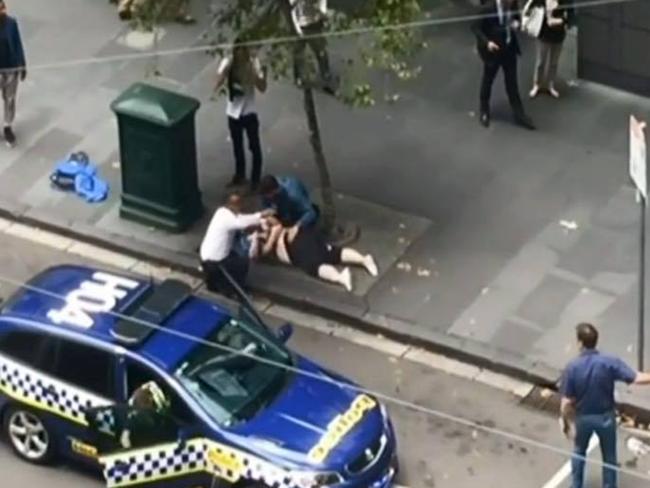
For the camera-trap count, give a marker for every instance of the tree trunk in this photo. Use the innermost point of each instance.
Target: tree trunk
(328, 212)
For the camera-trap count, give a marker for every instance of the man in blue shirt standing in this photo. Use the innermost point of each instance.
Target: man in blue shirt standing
(12, 69)
(588, 394)
(290, 199)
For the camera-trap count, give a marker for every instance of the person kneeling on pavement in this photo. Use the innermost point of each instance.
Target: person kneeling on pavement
(289, 197)
(218, 251)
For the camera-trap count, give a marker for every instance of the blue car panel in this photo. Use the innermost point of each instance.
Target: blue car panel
(248, 409)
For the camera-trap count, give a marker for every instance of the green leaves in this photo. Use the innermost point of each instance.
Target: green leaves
(378, 38)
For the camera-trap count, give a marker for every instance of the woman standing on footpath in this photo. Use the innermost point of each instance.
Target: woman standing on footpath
(559, 16)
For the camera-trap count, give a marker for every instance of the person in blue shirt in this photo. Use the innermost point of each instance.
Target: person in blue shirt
(289, 197)
(12, 69)
(587, 390)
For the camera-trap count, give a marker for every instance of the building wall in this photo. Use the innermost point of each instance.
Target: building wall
(614, 45)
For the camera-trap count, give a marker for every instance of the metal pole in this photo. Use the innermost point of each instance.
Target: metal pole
(641, 332)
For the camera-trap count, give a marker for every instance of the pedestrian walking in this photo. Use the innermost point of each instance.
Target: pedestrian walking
(243, 74)
(290, 200)
(559, 16)
(588, 400)
(12, 69)
(498, 46)
(218, 251)
(176, 9)
(309, 20)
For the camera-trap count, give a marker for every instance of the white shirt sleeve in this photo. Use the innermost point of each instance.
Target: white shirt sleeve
(244, 221)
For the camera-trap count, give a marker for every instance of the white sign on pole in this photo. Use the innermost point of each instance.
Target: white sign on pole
(638, 161)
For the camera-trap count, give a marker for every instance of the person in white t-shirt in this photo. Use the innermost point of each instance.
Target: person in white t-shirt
(243, 75)
(218, 251)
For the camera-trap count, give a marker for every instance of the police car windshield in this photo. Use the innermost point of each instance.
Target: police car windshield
(235, 382)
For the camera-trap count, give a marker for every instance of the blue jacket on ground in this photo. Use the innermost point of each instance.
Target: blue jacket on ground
(292, 204)
(17, 53)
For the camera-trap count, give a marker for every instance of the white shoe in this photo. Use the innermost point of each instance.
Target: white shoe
(554, 93)
(534, 91)
(346, 279)
(371, 265)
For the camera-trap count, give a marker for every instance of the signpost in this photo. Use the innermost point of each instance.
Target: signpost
(638, 173)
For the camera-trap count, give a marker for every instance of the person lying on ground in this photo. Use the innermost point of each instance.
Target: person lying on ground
(307, 249)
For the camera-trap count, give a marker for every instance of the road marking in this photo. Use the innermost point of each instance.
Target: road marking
(371, 341)
(564, 472)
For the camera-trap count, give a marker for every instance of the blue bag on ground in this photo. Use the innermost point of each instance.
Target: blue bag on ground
(76, 173)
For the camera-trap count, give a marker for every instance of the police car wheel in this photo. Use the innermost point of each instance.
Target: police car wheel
(28, 436)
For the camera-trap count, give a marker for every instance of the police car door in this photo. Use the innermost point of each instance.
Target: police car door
(146, 449)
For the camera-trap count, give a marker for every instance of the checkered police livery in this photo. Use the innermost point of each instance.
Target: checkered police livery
(39, 391)
(195, 456)
(156, 463)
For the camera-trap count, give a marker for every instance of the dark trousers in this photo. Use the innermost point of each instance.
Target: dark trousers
(604, 426)
(318, 45)
(235, 265)
(249, 124)
(508, 62)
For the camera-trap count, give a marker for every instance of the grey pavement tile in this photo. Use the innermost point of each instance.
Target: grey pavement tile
(545, 304)
(36, 163)
(513, 336)
(602, 250)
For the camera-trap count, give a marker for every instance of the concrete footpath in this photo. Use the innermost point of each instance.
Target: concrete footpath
(492, 244)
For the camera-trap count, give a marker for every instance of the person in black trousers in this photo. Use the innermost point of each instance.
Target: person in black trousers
(243, 75)
(498, 46)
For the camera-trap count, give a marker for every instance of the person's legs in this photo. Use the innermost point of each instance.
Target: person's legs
(318, 45)
(299, 62)
(352, 256)
(584, 431)
(237, 136)
(606, 431)
(511, 82)
(329, 273)
(555, 50)
(541, 60)
(9, 83)
(252, 127)
(490, 70)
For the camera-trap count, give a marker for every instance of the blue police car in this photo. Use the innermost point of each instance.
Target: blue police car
(240, 408)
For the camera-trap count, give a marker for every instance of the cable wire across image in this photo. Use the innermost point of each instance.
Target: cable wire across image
(418, 24)
(479, 427)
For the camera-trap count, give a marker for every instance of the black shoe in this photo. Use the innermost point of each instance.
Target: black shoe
(484, 119)
(523, 120)
(10, 137)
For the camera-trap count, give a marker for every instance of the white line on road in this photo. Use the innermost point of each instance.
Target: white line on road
(564, 472)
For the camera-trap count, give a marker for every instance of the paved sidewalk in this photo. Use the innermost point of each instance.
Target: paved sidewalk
(492, 243)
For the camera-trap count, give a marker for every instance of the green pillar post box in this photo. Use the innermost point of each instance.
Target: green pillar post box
(158, 157)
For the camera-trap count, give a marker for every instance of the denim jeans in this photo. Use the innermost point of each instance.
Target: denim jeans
(604, 426)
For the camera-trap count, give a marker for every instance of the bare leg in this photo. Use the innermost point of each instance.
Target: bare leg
(329, 273)
(352, 256)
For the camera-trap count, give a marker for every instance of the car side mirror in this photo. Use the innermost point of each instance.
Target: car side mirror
(285, 332)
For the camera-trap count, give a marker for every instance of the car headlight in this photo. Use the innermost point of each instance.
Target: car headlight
(319, 479)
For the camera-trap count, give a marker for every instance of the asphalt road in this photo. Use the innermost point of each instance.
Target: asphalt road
(434, 451)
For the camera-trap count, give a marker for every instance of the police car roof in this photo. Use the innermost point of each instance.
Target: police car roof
(48, 291)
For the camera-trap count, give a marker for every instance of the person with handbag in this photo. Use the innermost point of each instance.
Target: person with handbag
(554, 18)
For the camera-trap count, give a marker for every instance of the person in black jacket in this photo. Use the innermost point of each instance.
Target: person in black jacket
(559, 15)
(498, 46)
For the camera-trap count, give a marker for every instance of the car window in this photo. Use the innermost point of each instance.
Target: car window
(138, 374)
(87, 367)
(31, 348)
